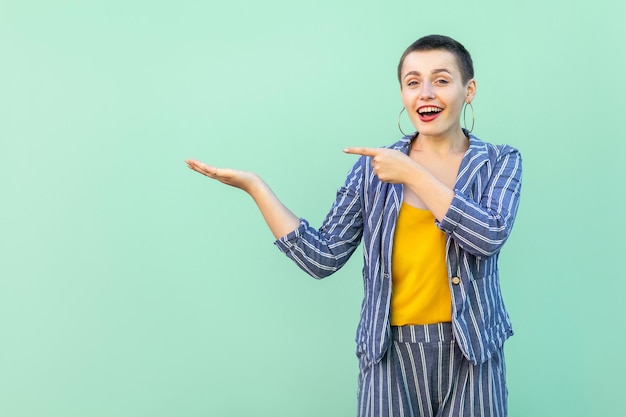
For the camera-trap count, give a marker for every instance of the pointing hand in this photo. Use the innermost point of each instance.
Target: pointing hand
(389, 165)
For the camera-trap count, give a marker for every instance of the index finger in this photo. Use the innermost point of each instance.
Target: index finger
(363, 151)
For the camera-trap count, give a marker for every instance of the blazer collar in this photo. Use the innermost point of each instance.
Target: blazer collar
(476, 155)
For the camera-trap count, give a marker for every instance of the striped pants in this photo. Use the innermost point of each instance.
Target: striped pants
(424, 374)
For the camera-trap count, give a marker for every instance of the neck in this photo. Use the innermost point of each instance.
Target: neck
(443, 145)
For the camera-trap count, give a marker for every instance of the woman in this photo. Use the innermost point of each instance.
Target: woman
(433, 211)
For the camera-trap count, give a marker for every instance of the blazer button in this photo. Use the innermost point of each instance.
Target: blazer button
(456, 280)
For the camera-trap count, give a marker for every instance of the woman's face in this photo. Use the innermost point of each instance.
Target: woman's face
(433, 92)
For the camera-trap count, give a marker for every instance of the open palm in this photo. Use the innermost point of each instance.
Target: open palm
(243, 180)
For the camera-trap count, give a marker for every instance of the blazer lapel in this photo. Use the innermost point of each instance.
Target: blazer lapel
(475, 157)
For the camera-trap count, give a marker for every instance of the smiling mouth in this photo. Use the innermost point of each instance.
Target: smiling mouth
(429, 111)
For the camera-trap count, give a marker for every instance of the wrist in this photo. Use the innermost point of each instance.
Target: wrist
(256, 187)
(415, 175)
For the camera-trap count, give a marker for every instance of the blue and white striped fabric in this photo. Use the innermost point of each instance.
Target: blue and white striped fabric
(477, 224)
(424, 374)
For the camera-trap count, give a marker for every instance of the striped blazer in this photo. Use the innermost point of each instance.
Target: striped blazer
(477, 224)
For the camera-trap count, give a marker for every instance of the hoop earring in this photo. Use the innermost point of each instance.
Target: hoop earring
(400, 115)
(464, 122)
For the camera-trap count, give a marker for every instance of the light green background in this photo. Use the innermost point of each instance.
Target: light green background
(131, 286)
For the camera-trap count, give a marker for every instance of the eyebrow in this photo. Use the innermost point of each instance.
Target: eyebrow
(435, 71)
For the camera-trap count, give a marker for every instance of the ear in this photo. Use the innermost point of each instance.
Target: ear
(470, 91)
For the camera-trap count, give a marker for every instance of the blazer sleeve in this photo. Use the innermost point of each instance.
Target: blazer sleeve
(482, 227)
(320, 252)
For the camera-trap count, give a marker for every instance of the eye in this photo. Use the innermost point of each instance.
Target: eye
(441, 81)
(412, 83)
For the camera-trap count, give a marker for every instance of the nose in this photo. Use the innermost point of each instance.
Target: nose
(427, 91)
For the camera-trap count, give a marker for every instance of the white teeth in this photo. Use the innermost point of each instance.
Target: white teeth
(429, 110)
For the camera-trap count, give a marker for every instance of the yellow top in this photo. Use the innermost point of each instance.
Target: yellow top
(421, 293)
